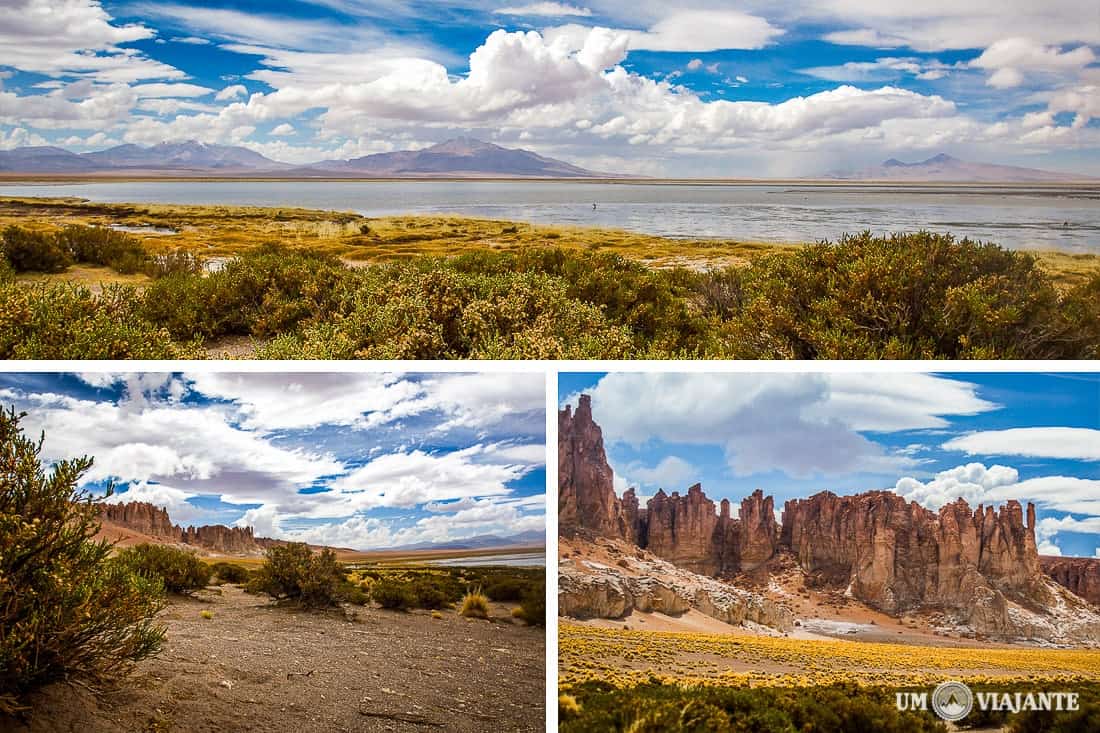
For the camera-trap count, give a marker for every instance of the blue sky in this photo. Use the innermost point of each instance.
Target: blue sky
(363, 461)
(747, 88)
(930, 437)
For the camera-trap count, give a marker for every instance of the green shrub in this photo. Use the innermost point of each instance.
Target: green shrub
(180, 571)
(228, 572)
(428, 594)
(30, 251)
(392, 594)
(505, 590)
(354, 594)
(913, 296)
(263, 292)
(429, 310)
(66, 608)
(294, 572)
(71, 322)
(103, 246)
(653, 708)
(532, 605)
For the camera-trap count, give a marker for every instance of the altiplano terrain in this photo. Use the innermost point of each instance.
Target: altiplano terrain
(867, 589)
(253, 666)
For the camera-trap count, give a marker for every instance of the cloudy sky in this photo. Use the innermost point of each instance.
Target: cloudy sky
(708, 87)
(931, 438)
(352, 460)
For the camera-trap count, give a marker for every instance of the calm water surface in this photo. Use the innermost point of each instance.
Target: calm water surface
(1066, 218)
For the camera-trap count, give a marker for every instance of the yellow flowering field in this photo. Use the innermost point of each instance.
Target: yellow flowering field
(625, 658)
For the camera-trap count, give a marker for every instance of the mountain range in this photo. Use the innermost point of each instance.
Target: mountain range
(945, 168)
(460, 157)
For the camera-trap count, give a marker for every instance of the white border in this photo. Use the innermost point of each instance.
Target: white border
(550, 367)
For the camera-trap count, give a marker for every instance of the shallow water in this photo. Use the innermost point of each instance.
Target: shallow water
(519, 559)
(1065, 218)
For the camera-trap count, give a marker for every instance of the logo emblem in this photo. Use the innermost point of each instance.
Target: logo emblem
(952, 701)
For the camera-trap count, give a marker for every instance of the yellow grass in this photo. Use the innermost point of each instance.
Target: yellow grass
(625, 658)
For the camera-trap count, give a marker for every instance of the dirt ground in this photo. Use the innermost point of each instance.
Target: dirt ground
(257, 667)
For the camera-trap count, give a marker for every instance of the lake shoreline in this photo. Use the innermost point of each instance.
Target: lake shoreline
(1063, 217)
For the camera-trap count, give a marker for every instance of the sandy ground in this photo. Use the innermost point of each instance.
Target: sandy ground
(232, 347)
(256, 667)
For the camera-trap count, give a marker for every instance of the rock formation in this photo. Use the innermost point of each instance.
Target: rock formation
(682, 530)
(586, 496)
(146, 519)
(980, 568)
(897, 556)
(142, 517)
(219, 538)
(641, 581)
(1079, 574)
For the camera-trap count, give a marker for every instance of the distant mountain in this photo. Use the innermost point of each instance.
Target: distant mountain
(943, 167)
(190, 154)
(462, 156)
(481, 542)
(45, 159)
(169, 157)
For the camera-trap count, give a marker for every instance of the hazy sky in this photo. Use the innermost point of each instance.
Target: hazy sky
(930, 437)
(748, 88)
(351, 460)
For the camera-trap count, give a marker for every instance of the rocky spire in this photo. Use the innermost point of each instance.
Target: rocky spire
(586, 493)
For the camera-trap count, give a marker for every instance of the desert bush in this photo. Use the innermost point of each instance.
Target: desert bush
(915, 296)
(474, 605)
(429, 594)
(228, 572)
(103, 246)
(266, 291)
(532, 605)
(180, 571)
(907, 296)
(31, 251)
(392, 594)
(505, 589)
(1079, 325)
(294, 572)
(66, 608)
(653, 708)
(429, 310)
(354, 594)
(70, 322)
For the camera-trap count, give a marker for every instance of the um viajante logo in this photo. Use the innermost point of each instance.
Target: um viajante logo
(953, 701)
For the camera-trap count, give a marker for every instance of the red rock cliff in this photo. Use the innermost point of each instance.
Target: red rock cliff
(1080, 574)
(142, 517)
(586, 493)
(897, 555)
(219, 538)
(147, 519)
